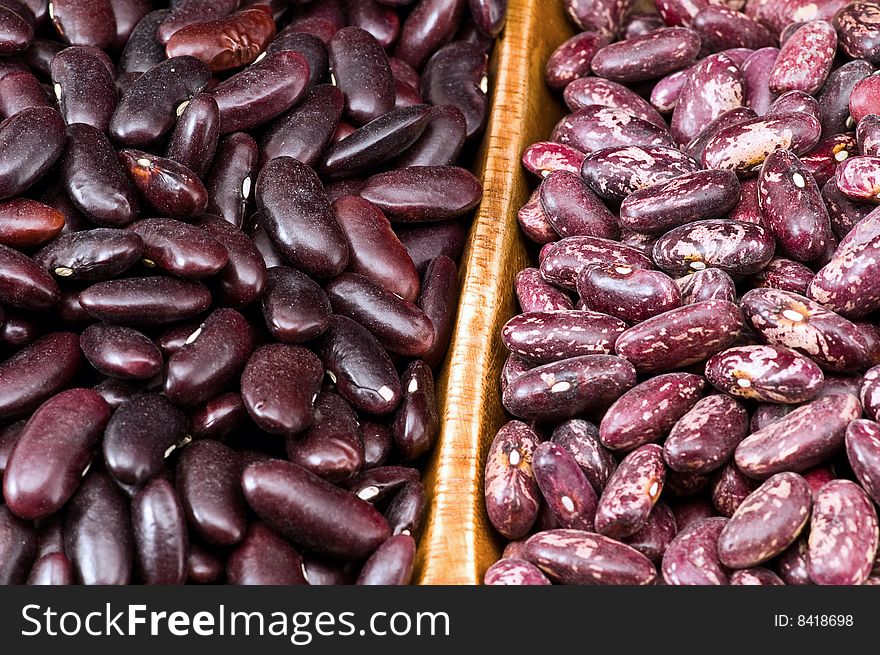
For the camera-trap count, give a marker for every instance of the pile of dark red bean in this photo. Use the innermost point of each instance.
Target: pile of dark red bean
(213, 367)
(691, 374)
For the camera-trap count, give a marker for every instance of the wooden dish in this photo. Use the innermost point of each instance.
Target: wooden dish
(458, 543)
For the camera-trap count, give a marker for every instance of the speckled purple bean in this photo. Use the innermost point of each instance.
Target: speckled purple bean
(544, 337)
(665, 94)
(800, 440)
(792, 102)
(573, 209)
(848, 284)
(572, 59)
(631, 294)
(564, 260)
(842, 210)
(581, 439)
(545, 157)
(714, 86)
(514, 571)
(692, 557)
(785, 275)
(577, 557)
(863, 454)
(595, 127)
(647, 57)
(868, 135)
(705, 437)
(792, 564)
(533, 221)
(805, 59)
(843, 535)
(708, 284)
(619, 171)
(734, 116)
(586, 91)
(603, 16)
(756, 73)
(536, 295)
(652, 539)
(730, 487)
(765, 373)
(564, 487)
(721, 27)
(631, 493)
(755, 576)
(857, 27)
(858, 178)
(834, 96)
(823, 159)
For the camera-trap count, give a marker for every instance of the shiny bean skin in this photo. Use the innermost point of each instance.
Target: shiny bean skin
(587, 91)
(331, 447)
(573, 209)
(230, 180)
(218, 417)
(545, 337)
(646, 57)
(572, 59)
(713, 87)
(391, 564)
(805, 59)
(194, 139)
(91, 255)
(313, 512)
(708, 284)
(595, 127)
(279, 385)
(208, 484)
(407, 511)
(631, 493)
(863, 454)
(617, 172)
(430, 26)
(180, 249)
(85, 89)
(30, 144)
(145, 301)
(169, 187)
(440, 143)
(23, 283)
(511, 492)
(423, 193)
(305, 131)
(148, 109)
(264, 557)
(142, 50)
(692, 557)
(416, 423)
(84, 22)
(765, 373)
(160, 535)
(298, 217)
(120, 352)
(730, 487)
(361, 71)
(243, 279)
(98, 538)
(295, 308)
(564, 487)
(564, 260)
(189, 12)
(456, 76)
(46, 465)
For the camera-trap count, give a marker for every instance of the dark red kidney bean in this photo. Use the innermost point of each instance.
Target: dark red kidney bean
(360, 367)
(572, 208)
(578, 557)
(569, 387)
(190, 12)
(375, 251)
(18, 330)
(431, 25)
(805, 437)
(230, 179)
(586, 91)
(403, 72)
(376, 438)
(713, 87)
(261, 92)
(648, 411)
(298, 217)
(203, 566)
(564, 260)
(30, 144)
(617, 172)
(160, 536)
(209, 486)
(655, 536)
(572, 59)
(416, 423)
(210, 358)
(863, 454)
(142, 49)
(835, 95)
(312, 511)
(595, 127)
(225, 43)
(730, 487)
(264, 557)
(722, 27)
(424, 193)
(376, 142)
(756, 72)
(21, 90)
(708, 284)
(564, 486)
(391, 564)
(51, 569)
(23, 283)
(407, 510)
(857, 31)
(38, 57)
(511, 492)
(785, 275)
(536, 295)
(441, 141)
(799, 323)
(70, 311)
(85, 89)
(744, 146)
(46, 465)
(310, 47)
(98, 534)
(96, 254)
(170, 188)
(765, 373)
(706, 436)
(218, 417)
(279, 386)
(735, 247)
(194, 139)
(767, 522)
(488, 15)
(295, 308)
(581, 439)
(805, 59)
(94, 179)
(120, 352)
(331, 447)
(305, 131)
(843, 535)
(127, 14)
(687, 198)
(84, 22)
(18, 547)
(148, 110)
(361, 71)
(183, 250)
(456, 76)
(692, 557)
(792, 205)
(697, 330)
(243, 279)
(8, 438)
(649, 56)
(378, 484)
(424, 243)
(145, 301)
(37, 372)
(139, 435)
(439, 301)
(317, 26)
(16, 32)
(544, 337)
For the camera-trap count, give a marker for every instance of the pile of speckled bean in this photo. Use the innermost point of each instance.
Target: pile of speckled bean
(690, 380)
(228, 243)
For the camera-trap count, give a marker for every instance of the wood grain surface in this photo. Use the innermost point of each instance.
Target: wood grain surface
(458, 544)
